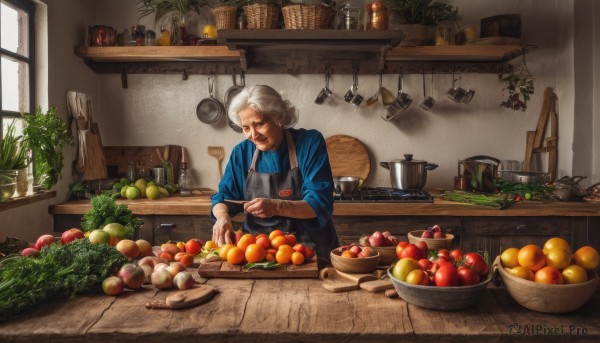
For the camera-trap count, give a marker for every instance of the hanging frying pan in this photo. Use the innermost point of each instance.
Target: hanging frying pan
(210, 110)
(230, 94)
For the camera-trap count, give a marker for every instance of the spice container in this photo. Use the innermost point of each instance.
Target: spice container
(165, 36)
(150, 38)
(378, 16)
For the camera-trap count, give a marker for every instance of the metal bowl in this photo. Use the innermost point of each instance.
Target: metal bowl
(345, 185)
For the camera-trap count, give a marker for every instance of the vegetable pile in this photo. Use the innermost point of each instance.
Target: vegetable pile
(489, 200)
(59, 271)
(105, 210)
(525, 191)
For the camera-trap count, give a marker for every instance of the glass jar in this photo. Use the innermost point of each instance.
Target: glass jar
(349, 17)
(22, 182)
(165, 36)
(150, 38)
(185, 181)
(132, 171)
(378, 16)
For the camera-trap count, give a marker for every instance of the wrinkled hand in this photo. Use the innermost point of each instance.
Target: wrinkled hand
(223, 231)
(263, 207)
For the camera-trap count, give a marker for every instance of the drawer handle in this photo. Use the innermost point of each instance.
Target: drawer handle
(521, 227)
(166, 226)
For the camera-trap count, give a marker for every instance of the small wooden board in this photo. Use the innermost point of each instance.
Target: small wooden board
(184, 298)
(334, 282)
(221, 269)
(348, 157)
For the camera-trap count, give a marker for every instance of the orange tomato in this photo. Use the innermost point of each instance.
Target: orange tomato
(187, 260)
(521, 272)
(261, 235)
(211, 245)
(223, 251)
(245, 241)
(276, 233)
(181, 246)
(263, 241)
(531, 257)
(270, 257)
(297, 258)
(558, 257)
(556, 242)
(167, 255)
(348, 254)
(549, 275)
(278, 241)
(284, 254)
(272, 251)
(574, 274)
(255, 253)
(235, 255)
(587, 257)
(509, 258)
(291, 238)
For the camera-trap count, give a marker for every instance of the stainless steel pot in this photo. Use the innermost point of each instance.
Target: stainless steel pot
(480, 172)
(567, 188)
(408, 174)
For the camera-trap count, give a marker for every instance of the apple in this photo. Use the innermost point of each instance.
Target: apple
(29, 251)
(386, 234)
(70, 235)
(43, 240)
(99, 236)
(393, 240)
(113, 285)
(355, 249)
(426, 234)
(133, 275)
(376, 239)
(439, 234)
(116, 231)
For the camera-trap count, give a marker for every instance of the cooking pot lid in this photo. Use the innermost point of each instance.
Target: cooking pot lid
(408, 160)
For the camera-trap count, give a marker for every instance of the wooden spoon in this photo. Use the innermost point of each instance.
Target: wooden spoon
(217, 152)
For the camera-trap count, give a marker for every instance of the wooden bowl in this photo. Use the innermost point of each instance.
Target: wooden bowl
(440, 298)
(387, 255)
(353, 265)
(432, 243)
(546, 298)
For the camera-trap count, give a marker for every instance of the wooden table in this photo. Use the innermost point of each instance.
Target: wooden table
(293, 310)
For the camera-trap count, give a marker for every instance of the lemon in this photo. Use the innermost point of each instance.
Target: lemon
(163, 191)
(123, 190)
(152, 192)
(209, 31)
(132, 193)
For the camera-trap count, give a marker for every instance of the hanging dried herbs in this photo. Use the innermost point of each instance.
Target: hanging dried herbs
(519, 88)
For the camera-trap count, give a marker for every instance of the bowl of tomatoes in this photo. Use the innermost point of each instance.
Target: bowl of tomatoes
(354, 259)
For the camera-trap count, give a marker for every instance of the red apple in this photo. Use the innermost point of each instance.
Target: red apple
(439, 234)
(376, 239)
(426, 234)
(70, 235)
(43, 241)
(29, 251)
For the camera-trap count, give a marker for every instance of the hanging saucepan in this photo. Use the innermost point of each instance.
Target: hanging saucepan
(210, 110)
(408, 174)
(230, 94)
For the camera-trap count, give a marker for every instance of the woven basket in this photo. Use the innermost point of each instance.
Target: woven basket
(260, 16)
(225, 17)
(307, 17)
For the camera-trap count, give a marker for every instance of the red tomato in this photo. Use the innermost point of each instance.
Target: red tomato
(411, 251)
(477, 262)
(309, 252)
(400, 247)
(423, 247)
(467, 276)
(291, 239)
(70, 235)
(425, 264)
(446, 275)
(194, 246)
(300, 248)
(443, 252)
(456, 254)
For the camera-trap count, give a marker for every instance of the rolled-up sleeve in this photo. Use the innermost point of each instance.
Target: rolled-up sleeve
(232, 185)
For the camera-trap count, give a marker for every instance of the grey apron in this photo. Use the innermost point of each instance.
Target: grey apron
(287, 186)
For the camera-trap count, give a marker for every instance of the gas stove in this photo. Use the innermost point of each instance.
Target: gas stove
(384, 194)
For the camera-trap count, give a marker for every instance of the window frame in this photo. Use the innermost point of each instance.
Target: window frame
(27, 6)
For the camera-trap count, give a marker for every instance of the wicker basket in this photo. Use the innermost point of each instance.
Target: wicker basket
(260, 16)
(225, 17)
(307, 17)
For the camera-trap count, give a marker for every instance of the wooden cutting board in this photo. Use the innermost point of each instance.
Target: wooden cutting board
(223, 269)
(184, 298)
(348, 157)
(334, 282)
(95, 162)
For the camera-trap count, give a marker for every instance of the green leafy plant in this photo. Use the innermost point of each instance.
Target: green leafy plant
(520, 87)
(13, 150)
(424, 12)
(105, 210)
(164, 7)
(46, 134)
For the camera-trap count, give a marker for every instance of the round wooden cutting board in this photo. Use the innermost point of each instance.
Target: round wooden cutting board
(348, 157)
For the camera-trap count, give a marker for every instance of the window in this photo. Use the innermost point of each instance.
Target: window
(17, 60)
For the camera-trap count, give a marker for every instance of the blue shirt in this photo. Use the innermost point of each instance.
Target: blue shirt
(313, 163)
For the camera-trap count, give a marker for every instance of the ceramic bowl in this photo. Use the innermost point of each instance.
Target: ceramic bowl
(353, 265)
(432, 243)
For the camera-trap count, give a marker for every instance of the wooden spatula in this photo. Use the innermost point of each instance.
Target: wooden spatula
(219, 153)
(184, 298)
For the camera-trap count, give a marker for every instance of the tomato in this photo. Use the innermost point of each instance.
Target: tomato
(291, 238)
(400, 247)
(411, 251)
(456, 254)
(549, 275)
(300, 248)
(194, 246)
(477, 262)
(297, 258)
(443, 252)
(310, 253)
(276, 233)
(417, 277)
(70, 235)
(278, 241)
(238, 235)
(446, 275)
(255, 253)
(180, 246)
(574, 274)
(403, 267)
(558, 257)
(587, 257)
(425, 264)
(556, 242)
(245, 241)
(521, 272)
(264, 242)
(509, 258)
(423, 247)
(531, 257)
(467, 276)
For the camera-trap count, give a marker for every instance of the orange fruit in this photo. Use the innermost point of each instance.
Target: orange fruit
(255, 253)
(587, 257)
(263, 241)
(349, 254)
(168, 256)
(297, 258)
(531, 257)
(521, 272)
(549, 275)
(509, 258)
(270, 257)
(276, 233)
(187, 260)
(235, 255)
(284, 254)
(278, 241)
(272, 251)
(223, 251)
(574, 274)
(211, 245)
(557, 257)
(291, 238)
(261, 235)
(556, 242)
(245, 241)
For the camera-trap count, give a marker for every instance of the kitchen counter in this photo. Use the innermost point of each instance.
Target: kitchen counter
(200, 205)
(293, 310)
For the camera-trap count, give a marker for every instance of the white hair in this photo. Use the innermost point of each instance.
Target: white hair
(265, 100)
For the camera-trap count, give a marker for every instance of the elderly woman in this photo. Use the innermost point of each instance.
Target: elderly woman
(284, 174)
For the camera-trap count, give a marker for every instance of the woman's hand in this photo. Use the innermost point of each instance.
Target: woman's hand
(263, 207)
(223, 229)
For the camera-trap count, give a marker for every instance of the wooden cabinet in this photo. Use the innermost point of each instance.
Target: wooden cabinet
(181, 228)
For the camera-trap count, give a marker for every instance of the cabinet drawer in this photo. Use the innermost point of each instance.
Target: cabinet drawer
(181, 228)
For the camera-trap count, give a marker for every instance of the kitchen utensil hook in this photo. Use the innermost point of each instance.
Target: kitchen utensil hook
(211, 81)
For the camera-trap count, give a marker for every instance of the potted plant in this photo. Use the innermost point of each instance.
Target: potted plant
(46, 134)
(13, 158)
(419, 17)
(178, 9)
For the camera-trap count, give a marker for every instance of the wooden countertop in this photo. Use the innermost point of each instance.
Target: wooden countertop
(200, 205)
(292, 310)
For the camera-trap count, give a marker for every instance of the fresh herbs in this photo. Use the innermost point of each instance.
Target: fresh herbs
(13, 149)
(46, 134)
(535, 190)
(105, 210)
(59, 271)
(488, 200)
(163, 7)
(423, 12)
(263, 265)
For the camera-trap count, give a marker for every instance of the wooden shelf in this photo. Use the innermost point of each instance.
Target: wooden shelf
(157, 53)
